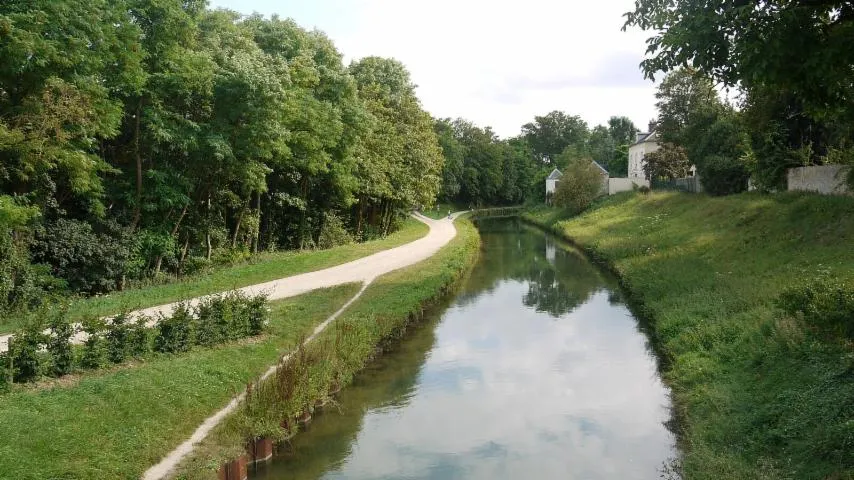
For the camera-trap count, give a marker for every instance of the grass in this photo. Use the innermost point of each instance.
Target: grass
(117, 423)
(381, 315)
(261, 268)
(757, 394)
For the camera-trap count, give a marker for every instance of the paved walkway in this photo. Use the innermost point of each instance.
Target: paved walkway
(362, 270)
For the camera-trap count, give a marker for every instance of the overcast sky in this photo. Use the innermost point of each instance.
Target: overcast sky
(494, 62)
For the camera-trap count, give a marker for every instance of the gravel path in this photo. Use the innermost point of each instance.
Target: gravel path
(362, 270)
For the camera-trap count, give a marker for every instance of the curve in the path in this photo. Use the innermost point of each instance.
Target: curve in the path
(362, 270)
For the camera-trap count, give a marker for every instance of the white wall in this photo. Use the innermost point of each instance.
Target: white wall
(617, 185)
(826, 179)
(636, 154)
(550, 186)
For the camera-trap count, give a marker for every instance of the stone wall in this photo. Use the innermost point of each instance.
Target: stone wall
(826, 179)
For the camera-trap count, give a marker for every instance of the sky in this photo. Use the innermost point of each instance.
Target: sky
(496, 63)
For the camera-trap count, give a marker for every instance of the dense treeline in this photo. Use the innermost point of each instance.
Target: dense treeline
(148, 136)
(790, 61)
(482, 169)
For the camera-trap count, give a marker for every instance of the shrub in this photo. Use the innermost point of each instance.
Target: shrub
(175, 333)
(580, 184)
(333, 232)
(5, 371)
(139, 337)
(117, 338)
(823, 304)
(25, 351)
(95, 347)
(230, 316)
(723, 175)
(89, 262)
(59, 344)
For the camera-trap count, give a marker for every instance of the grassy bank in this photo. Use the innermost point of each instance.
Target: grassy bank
(261, 268)
(117, 423)
(379, 316)
(758, 394)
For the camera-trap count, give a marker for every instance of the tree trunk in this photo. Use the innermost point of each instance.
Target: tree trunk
(256, 244)
(237, 227)
(137, 209)
(184, 253)
(208, 229)
(159, 260)
(361, 216)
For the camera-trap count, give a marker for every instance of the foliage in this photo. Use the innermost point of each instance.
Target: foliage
(823, 304)
(88, 261)
(175, 333)
(668, 162)
(550, 134)
(333, 233)
(25, 351)
(580, 184)
(95, 348)
(723, 175)
(59, 344)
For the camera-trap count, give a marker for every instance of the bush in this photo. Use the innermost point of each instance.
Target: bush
(175, 333)
(230, 316)
(723, 175)
(580, 184)
(826, 305)
(59, 344)
(95, 347)
(89, 262)
(333, 232)
(25, 350)
(139, 337)
(118, 332)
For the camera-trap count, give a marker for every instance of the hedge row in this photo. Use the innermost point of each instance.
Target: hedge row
(44, 347)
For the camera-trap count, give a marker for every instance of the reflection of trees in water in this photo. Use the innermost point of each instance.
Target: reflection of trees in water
(388, 382)
(559, 278)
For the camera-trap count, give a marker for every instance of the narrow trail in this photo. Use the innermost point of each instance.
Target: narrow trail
(362, 270)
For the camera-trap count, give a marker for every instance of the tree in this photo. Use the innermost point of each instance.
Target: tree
(549, 135)
(668, 162)
(580, 184)
(622, 130)
(757, 44)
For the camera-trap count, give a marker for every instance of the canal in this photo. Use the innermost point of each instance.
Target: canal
(536, 369)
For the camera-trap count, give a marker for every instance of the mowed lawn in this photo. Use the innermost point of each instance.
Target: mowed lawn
(261, 268)
(116, 423)
(757, 395)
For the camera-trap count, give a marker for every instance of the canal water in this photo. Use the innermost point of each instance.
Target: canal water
(535, 370)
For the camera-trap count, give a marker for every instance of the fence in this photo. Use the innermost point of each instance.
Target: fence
(686, 184)
(617, 185)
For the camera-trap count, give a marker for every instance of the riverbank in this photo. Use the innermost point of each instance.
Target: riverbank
(758, 394)
(380, 315)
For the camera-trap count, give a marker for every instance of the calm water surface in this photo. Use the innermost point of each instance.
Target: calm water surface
(535, 370)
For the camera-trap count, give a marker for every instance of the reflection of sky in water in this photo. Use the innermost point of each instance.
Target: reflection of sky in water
(509, 392)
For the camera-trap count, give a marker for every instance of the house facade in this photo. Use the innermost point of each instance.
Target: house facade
(645, 143)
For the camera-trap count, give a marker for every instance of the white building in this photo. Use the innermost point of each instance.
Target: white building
(551, 182)
(644, 143)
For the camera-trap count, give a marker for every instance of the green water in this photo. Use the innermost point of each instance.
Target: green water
(535, 370)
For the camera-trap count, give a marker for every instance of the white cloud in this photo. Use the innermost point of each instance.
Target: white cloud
(496, 63)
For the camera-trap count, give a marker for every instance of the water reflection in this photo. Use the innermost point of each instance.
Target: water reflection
(535, 371)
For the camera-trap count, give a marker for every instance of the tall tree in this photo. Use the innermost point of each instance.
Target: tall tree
(549, 135)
